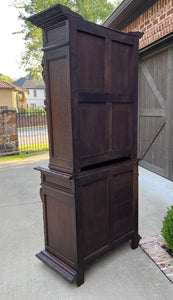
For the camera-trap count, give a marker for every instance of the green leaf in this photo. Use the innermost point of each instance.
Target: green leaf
(167, 229)
(91, 10)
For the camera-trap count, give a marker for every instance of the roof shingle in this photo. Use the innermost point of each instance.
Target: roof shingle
(7, 85)
(30, 83)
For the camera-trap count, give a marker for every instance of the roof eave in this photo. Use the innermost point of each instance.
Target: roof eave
(126, 12)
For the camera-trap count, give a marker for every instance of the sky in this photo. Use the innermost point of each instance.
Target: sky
(11, 45)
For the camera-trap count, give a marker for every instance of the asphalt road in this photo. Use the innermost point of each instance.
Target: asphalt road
(32, 137)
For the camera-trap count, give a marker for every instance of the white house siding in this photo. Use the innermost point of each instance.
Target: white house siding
(35, 100)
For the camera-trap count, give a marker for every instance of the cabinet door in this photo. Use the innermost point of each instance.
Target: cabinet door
(121, 204)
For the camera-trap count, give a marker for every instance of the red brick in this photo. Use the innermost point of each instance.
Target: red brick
(168, 266)
(162, 3)
(147, 22)
(155, 15)
(155, 22)
(149, 26)
(146, 240)
(159, 239)
(162, 258)
(154, 253)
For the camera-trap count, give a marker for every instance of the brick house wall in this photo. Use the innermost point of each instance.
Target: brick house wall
(155, 22)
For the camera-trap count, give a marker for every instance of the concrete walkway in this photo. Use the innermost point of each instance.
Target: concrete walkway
(121, 275)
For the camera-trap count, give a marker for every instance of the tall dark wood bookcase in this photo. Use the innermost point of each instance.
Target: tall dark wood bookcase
(90, 191)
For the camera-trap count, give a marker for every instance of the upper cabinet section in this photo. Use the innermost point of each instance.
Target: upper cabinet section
(91, 80)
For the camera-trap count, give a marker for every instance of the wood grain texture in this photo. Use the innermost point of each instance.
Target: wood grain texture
(155, 109)
(89, 192)
(86, 84)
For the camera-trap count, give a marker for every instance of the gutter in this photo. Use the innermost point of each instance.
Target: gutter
(126, 12)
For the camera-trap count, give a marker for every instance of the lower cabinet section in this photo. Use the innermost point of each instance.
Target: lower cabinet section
(87, 215)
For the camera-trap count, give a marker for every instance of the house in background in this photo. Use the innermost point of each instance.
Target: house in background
(155, 126)
(11, 96)
(35, 90)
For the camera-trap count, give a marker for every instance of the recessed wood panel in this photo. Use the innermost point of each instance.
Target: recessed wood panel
(121, 71)
(121, 126)
(60, 108)
(90, 62)
(122, 188)
(58, 35)
(121, 219)
(121, 207)
(92, 128)
(61, 235)
(95, 220)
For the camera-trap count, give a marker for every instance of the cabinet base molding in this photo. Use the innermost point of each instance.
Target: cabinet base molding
(71, 274)
(57, 265)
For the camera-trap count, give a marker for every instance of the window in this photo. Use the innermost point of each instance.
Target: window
(35, 93)
(27, 92)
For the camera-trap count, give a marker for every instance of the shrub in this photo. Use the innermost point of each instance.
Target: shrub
(24, 111)
(32, 111)
(167, 229)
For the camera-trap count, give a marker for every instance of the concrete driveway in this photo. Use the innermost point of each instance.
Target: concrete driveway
(121, 275)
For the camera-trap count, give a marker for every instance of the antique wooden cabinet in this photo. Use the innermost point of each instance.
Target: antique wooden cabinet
(89, 192)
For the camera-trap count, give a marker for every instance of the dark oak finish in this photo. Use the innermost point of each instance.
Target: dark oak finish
(89, 192)
(88, 214)
(90, 74)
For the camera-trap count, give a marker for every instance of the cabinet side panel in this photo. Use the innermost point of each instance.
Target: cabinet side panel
(94, 203)
(60, 224)
(60, 108)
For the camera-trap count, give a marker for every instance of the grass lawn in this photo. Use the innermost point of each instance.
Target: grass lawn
(21, 155)
(34, 147)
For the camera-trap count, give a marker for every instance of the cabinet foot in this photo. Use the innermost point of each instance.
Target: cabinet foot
(57, 265)
(135, 241)
(80, 278)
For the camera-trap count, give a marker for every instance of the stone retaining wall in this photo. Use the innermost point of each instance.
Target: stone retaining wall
(8, 131)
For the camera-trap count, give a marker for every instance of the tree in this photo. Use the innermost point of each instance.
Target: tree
(6, 78)
(91, 10)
